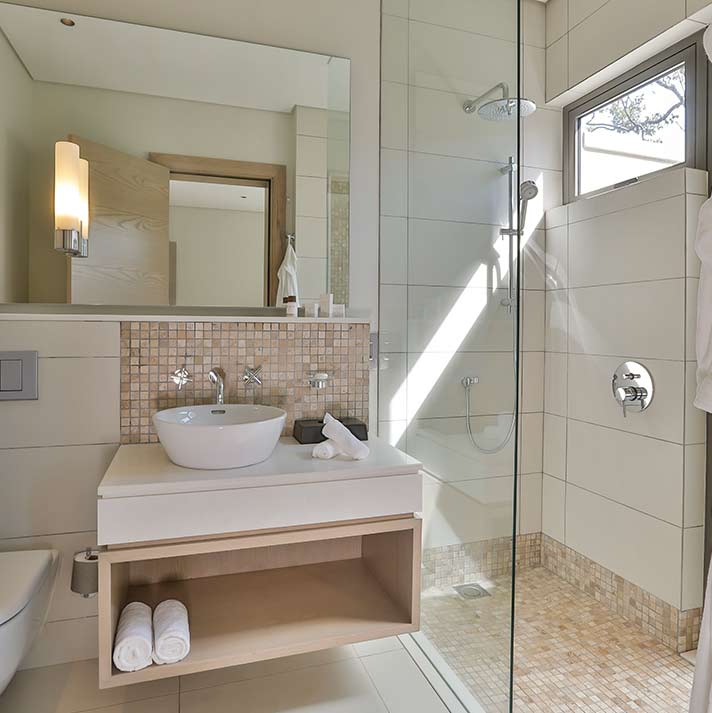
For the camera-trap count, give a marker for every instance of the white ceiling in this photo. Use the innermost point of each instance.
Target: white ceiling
(147, 60)
(220, 196)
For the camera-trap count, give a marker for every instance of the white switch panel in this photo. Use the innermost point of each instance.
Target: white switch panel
(18, 376)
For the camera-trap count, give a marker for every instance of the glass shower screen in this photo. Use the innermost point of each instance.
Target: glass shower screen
(452, 199)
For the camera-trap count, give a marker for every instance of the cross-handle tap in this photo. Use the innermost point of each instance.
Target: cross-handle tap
(217, 377)
(181, 377)
(252, 375)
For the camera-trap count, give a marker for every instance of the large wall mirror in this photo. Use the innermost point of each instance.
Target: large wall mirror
(206, 159)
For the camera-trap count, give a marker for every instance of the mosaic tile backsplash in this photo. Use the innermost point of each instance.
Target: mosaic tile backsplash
(287, 352)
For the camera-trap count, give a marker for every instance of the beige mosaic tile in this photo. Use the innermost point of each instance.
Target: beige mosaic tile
(571, 652)
(454, 564)
(677, 629)
(287, 352)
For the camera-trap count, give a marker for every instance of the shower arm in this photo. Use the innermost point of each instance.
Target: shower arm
(471, 104)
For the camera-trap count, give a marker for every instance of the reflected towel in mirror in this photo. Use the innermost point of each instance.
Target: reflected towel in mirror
(287, 276)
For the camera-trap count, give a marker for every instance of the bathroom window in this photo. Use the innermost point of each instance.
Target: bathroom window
(641, 123)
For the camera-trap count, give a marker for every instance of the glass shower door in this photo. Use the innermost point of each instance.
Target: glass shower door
(452, 196)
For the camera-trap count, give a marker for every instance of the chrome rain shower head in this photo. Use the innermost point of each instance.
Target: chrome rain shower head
(499, 109)
(505, 109)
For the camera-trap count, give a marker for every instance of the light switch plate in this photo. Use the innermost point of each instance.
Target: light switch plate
(18, 376)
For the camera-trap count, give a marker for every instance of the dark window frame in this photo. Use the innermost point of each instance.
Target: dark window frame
(689, 51)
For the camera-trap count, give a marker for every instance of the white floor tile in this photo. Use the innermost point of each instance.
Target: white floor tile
(402, 685)
(72, 687)
(342, 687)
(261, 669)
(378, 646)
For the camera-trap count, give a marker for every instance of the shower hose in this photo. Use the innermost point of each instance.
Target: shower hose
(468, 382)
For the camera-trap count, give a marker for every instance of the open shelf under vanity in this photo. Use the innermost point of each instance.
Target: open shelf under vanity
(260, 596)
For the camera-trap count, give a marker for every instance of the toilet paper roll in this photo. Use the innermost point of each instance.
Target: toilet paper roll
(85, 573)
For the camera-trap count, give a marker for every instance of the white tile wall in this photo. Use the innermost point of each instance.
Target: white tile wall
(312, 236)
(619, 537)
(598, 255)
(458, 254)
(555, 446)
(67, 386)
(633, 33)
(555, 378)
(587, 54)
(53, 452)
(650, 326)
(53, 489)
(693, 552)
(557, 20)
(311, 197)
(623, 467)
(394, 250)
(643, 476)
(553, 509)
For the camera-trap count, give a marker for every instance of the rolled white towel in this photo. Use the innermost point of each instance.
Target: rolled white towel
(345, 441)
(133, 644)
(171, 633)
(325, 450)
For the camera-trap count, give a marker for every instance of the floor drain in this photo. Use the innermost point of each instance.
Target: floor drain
(471, 591)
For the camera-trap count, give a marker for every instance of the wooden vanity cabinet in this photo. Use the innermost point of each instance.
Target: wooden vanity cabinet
(263, 595)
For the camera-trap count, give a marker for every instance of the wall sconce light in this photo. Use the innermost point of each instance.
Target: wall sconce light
(71, 200)
(83, 208)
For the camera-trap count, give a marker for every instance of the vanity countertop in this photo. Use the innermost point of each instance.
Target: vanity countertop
(145, 469)
(145, 497)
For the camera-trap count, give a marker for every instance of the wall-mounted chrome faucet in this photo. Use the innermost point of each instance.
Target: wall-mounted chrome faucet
(217, 377)
(633, 387)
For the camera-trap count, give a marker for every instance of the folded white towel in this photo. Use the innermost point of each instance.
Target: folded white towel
(345, 441)
(133, 644)
(171, 634)
(325, 450)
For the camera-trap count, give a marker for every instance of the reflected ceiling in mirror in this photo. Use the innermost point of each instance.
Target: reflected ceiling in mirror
(176, 128)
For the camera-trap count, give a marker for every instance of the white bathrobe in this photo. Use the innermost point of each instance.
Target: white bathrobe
(703, 248)
(287, 276)
(701, 697)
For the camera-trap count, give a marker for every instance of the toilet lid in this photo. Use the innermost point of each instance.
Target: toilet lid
(21, 575)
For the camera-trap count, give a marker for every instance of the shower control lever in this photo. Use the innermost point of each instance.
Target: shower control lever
(630, 394)
(632, 387)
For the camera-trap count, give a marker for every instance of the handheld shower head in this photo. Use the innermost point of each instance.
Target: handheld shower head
(528, 191)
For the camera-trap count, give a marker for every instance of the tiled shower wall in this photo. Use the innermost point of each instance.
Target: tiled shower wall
(443, 265)
(627, 493)
(574, 29)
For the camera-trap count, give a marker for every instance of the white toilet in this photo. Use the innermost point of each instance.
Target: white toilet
(26, 585)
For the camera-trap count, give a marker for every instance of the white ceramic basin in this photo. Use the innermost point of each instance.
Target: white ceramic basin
(219, 436)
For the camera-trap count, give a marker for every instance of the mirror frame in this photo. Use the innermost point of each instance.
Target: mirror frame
(274, 174)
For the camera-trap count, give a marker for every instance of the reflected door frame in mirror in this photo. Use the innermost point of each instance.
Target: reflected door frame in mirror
(272, 174)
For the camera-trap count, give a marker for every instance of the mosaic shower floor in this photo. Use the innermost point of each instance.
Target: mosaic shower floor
(572, 654)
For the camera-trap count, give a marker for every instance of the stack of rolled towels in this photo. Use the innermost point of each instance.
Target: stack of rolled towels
(144, 637)
(339, 441)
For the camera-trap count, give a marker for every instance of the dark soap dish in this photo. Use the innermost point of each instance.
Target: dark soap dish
(308, 430)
